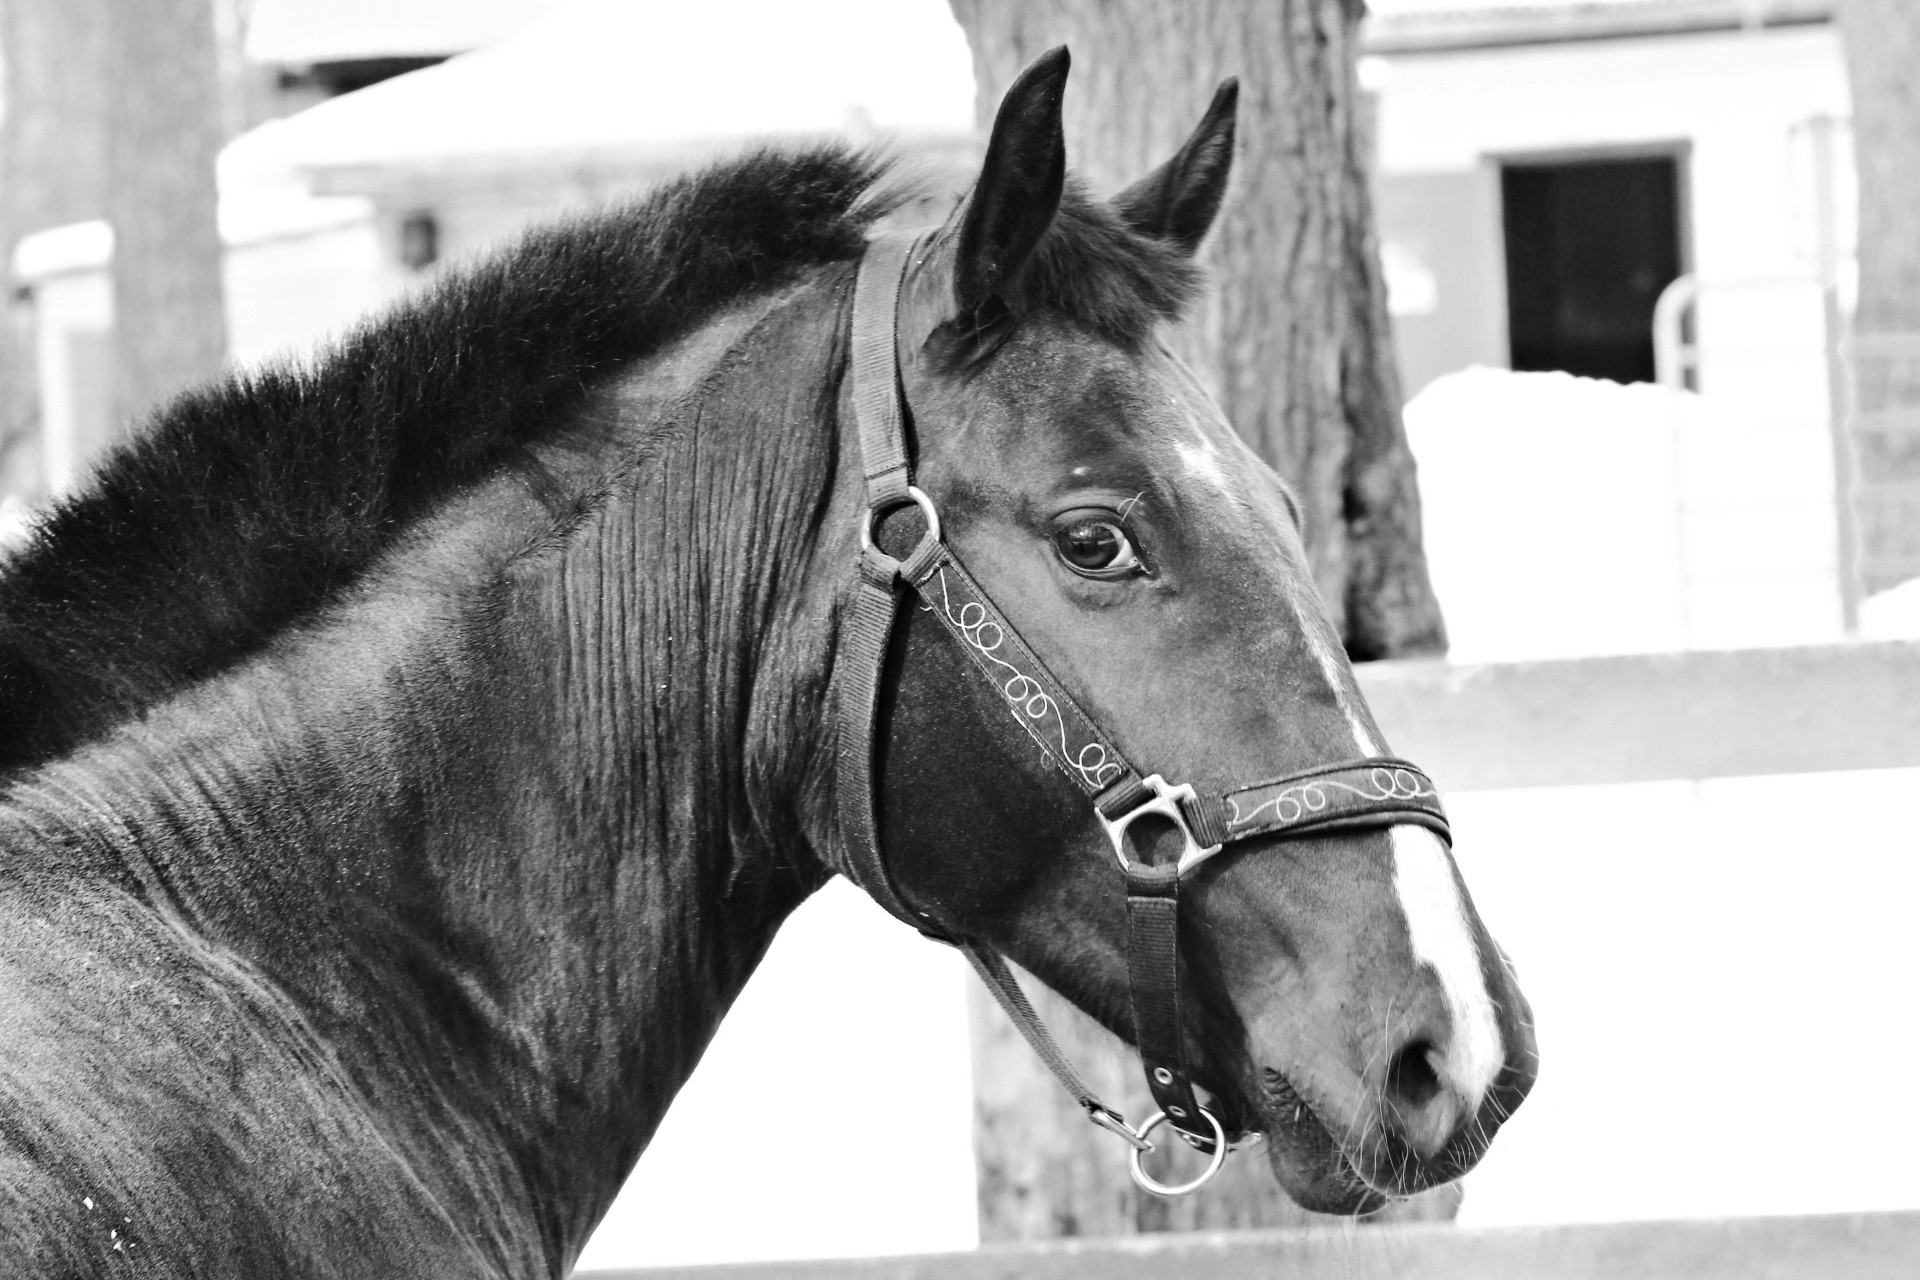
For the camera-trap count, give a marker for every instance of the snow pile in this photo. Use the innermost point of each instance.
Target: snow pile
(1570, 516)
(1893, 614)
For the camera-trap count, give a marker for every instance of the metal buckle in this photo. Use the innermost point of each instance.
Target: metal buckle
(1114, 1123)
(1145, 1181)
(1166, 803)
(919, 498)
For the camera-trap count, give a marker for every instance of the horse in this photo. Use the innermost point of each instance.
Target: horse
(410, 753)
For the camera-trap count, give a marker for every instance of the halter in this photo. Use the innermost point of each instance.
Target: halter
(1373, 792)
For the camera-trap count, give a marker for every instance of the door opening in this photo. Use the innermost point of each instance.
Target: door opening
(1590, 244)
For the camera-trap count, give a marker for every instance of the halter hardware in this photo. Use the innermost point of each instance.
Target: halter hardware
(1166, 803)
(1113, 1122)
(929, 539)
(1147, 1182)
(1373, 792)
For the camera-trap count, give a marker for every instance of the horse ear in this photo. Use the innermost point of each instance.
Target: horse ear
(1179, 200)
(1018, 190)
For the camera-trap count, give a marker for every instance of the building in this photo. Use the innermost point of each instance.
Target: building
(1628, 192)
(1547, 170)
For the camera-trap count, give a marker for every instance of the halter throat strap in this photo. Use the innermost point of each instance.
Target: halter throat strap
(1371, 792)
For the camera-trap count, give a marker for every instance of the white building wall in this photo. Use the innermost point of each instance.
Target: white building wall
(72, 309)
(287, 291)
(1719, 528)
(1734, 97)
(287, 295)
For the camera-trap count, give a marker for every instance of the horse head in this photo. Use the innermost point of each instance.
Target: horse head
(1341, 994)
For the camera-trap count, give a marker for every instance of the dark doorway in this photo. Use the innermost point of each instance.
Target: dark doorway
(1590, 245)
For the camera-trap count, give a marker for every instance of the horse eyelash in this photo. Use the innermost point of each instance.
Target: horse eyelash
(1126, 507)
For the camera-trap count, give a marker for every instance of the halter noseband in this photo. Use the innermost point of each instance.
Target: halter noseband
(1374, 792)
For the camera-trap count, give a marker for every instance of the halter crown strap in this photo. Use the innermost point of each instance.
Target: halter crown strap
(876, 370)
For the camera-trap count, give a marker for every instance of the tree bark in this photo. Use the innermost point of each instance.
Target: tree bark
(56, 103)
(1294, 337)
(114, 110)
(52, 172)
(163, 136)
(1882, 41)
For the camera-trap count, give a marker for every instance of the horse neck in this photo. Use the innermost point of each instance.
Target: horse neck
(681, 644)
(512, 831)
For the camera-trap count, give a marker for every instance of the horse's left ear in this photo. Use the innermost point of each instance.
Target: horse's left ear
(1179, 200)
(1018, 191)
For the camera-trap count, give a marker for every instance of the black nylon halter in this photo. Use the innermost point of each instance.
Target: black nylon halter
(1373, 792)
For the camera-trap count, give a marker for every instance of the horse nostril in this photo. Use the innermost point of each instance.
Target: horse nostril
(1419, 1103)
(1411, 1080)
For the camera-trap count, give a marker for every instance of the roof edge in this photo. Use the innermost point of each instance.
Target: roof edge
(1583, 20)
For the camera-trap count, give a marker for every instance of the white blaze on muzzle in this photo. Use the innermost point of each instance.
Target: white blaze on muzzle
(1438, 924)
(1441, 934)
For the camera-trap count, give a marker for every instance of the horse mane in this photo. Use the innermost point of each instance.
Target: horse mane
(243, 507)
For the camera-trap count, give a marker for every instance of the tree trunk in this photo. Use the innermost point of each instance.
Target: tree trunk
(163, 135)
(1294, 338)
(114, 110)
(1882, 39)
(52, 172)
(1294, 342)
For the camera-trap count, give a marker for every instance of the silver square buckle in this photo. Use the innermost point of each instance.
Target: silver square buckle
(1166, 803)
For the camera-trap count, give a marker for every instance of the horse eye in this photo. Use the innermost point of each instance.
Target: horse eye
(1097, 548)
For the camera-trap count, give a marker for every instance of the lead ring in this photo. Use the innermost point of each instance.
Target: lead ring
(919, 499)
(1145, 1181)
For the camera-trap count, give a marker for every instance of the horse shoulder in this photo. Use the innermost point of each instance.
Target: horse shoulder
(144, 1118)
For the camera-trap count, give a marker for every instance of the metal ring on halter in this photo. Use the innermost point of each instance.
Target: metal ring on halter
(921, 500)
(1145, 1181)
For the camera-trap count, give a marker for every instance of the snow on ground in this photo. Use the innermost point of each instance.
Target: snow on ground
(1571, 516)
(1893, 614)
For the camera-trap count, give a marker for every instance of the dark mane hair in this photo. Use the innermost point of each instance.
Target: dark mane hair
(1094, 267)
(243, 507)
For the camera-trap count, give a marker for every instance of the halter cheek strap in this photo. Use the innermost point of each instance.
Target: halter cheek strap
(867, 622)
(1373, 792)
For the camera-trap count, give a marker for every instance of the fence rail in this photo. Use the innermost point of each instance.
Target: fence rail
(1645, 717)
(1858, 1246)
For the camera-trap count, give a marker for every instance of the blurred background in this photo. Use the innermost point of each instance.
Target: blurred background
(1647, 275)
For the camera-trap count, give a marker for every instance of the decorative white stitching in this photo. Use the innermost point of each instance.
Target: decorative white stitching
(1026, 697)
(1291, 804)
